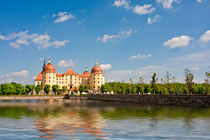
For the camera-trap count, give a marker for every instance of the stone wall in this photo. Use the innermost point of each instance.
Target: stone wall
(178, 100)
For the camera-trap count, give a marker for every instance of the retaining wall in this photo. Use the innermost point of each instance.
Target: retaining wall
(178, 100)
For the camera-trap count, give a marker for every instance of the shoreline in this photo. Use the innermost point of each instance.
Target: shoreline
(175, 100)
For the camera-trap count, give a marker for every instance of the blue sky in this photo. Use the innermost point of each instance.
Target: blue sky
(128, 37)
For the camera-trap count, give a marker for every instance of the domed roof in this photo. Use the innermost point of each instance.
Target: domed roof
(49, 68)
(97, 70)
(39, 77)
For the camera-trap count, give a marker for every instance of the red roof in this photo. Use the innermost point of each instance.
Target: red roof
(84, 75)
(49, 68)
(39, 77)
(70, 72)
(97, 70)
(59, 75)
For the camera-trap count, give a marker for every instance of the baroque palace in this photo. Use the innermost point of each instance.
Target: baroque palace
(71, 79)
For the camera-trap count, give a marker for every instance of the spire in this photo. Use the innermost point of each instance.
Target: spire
(49, 61)
(44, 62)
(96, 62)
(86, 69)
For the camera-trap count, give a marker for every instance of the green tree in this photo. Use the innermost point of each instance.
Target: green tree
(29, 88)
(47, 89)
(189, 80)
(38, 88)
(168, 79)
(147, 88)
(64, 88)
(7, 89)
(81, 88)
(134, 89)
(55, 88)
(0, 89)
(207, 82)
(75, 90)
(153, 83)
(86, 88)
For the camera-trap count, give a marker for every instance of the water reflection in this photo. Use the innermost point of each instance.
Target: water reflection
(83, 119)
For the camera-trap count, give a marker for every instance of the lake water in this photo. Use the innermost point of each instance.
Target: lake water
(83, 119)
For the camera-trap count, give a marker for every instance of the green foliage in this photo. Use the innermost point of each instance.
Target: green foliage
(47, 89)
(55, 88)
(81, 88)
(189, 80)
(86, 88)
(8, 89)
(153, 83)
(147, 88)
(75, 90)
(64, 88)
(29, 88)
(38, 88)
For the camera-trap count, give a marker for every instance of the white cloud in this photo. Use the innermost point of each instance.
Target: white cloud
(154, 19)
(20, 77)
(143, 10)
(140, 56)
(199, 1)
(66, 63)
(205, 37)
(167, 3)
(106, 67)
(195, 68)
(62, 16)
(176, 42)
(23, 38)
(59, 44)
(121, 3)
(121, 35)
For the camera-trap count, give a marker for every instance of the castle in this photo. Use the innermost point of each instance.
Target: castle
(71, 79)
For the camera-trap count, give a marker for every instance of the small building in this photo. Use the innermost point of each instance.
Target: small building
(71, 79)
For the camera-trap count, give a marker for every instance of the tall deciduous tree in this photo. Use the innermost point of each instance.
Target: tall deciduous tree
(189, 80)
(153, 83)
(81, 88)
(47, 89)
(168, 79)
(207, 82)
(86, 88)
(38, 88)
(55, 88)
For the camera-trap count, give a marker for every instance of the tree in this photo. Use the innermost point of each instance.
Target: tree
(134, 89)
(207, 80)
(147, 88)
(64, 88)
(38, 88)
(7, 89)
(81, 88)
(55, 88)
(153, 83)
(29, 88)
(0, 89)
(47, 89)
(141, 85)
(75, 90)
(86, 88)
(19, 89)
(168, 79)
(189, 80)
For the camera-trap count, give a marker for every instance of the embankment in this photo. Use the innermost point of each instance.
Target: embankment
(178, 100)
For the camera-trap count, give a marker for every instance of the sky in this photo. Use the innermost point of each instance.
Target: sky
(129, 38)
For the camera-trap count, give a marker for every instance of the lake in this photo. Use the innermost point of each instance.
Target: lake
(86, 119)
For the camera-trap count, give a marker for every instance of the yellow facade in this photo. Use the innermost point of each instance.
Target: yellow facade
(70, 79)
